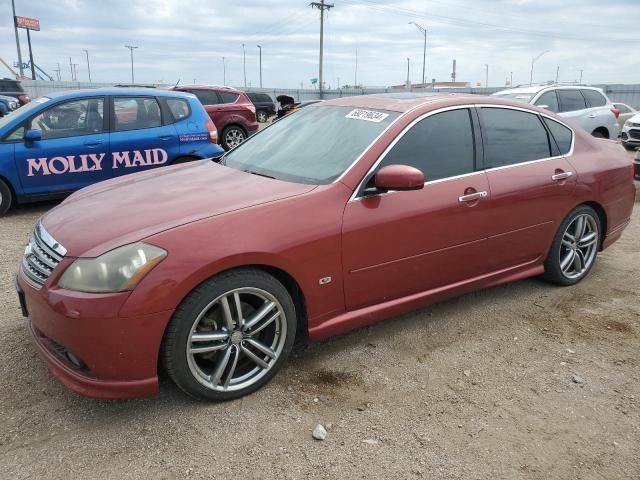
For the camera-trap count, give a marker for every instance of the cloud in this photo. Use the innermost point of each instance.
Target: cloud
(186, 40)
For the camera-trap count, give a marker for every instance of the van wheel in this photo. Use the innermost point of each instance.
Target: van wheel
(6, 198)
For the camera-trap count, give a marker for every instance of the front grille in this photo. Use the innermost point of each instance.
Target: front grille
(41, 256)
(634, 134)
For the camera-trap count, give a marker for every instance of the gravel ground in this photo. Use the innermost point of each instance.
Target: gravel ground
(519, 381)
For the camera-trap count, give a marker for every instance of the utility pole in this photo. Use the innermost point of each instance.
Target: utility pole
(260, 48)
(131, 49)
(580, 76)
(453, 72)
(244, 63)
(322, 7)
(224, 73)
(408, 77)
(71, 68)
(486, 75)
(424, 50)
(533, 61)
(511, 79)
(355, 81)
(58, 72)
(33, 67)
(557, 73)
(15, 27)
(88, 65)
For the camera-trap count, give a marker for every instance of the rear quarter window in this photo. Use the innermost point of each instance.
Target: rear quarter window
(562, 135)
(594, 98)
(178, 108)
(228, 97)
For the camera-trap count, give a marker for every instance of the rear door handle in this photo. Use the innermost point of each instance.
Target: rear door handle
(472, 197)
(561, 176)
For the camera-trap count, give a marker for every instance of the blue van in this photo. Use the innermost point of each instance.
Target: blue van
(60, 143)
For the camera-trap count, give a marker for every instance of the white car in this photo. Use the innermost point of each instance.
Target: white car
(626, 112)
(586, 107)
(631, 133)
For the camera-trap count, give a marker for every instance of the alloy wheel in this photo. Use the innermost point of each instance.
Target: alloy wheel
(236, 339)
(262, 117)
(234, 137)
(579, 246)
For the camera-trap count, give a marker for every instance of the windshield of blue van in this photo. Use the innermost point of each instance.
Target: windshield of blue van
(22, 110)
(314, 145)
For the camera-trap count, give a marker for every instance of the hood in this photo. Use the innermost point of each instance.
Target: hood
(634, 119)
(128, 209)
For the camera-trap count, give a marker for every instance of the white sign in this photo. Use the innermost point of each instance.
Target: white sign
(368, 115)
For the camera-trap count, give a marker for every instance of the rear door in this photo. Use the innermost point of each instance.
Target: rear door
(531, 184)
(140, 137)
(73, 151)
(573, 107)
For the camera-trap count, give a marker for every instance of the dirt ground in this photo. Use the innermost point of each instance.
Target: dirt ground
(519, 381)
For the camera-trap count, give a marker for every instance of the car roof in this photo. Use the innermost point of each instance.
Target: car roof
(533, 89)
(210, 87)
(124, 91)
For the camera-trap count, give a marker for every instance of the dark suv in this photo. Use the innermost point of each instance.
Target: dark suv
(231, 110)
(265, 107)
(12, 88)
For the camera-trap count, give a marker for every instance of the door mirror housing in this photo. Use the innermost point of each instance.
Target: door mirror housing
(33, 135)
(399, 177)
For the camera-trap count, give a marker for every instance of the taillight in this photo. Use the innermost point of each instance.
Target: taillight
(213, 132)
(616, 112)
(24, 99)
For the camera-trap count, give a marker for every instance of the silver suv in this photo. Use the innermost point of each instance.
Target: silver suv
(586, 107)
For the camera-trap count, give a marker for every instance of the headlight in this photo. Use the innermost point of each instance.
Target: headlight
(116, 271)
(13, 105)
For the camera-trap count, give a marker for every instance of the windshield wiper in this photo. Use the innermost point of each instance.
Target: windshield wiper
(259, 174)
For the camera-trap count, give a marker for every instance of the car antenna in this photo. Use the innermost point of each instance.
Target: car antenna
(176, 83)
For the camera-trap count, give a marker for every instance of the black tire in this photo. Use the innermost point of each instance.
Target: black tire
(628, 146)
(6, 198)
(553, 272)
(599, 134)
(262, 116)
(232, 131)
(175, 358)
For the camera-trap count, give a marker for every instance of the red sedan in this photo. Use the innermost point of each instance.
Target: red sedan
(337, 216)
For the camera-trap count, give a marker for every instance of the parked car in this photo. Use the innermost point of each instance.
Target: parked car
(369, 207)
(265, 107)
(626, 112)
(13, 88)
(231, 111)
(586, 107)
(630, 135)
(64, 142)
(8, 105)
(636, 165)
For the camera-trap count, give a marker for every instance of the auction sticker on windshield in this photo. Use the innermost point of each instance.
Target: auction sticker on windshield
(368, 115)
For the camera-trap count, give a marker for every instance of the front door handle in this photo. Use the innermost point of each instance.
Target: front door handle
(561, 176)
(93, 144)
(593, 115)
(165, 137)
(472, 197)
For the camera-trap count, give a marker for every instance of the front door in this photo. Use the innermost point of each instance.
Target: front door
(400, 243)
(73, 150)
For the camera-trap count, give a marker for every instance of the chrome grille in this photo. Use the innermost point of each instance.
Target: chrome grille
(41, 256)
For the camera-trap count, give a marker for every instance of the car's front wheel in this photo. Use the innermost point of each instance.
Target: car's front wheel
(232, 137)
(6, 198)
(230, 335)
(574, 248)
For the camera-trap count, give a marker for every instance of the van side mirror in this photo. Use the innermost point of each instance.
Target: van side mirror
(33, 135)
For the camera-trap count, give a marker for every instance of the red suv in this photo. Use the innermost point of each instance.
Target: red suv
(230, 109)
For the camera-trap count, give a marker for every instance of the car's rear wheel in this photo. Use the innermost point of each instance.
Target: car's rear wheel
(232, 137)
(230, 335)
(6, 198)
(262, 116)
(574, 248)
(598, 133)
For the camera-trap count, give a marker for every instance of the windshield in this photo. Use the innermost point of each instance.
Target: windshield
(22, 110)
(520, 97)
(314, 145)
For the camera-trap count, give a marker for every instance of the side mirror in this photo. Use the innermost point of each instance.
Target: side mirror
(33, 135)
(399, 177)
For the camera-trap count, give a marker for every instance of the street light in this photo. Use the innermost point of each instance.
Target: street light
(88, 65)
(534, 60)
(424, 50)
(131, 49)
(244, 64)
(224, 73)
(260, 48)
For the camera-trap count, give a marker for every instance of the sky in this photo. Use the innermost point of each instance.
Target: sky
(185, 41)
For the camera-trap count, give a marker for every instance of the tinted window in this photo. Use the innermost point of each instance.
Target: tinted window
(594, 98)
(10, 86)
(571, 100)
(228, 97)
(69, 119)
(179, 108)
(512, 136)
(134, 113)
(206, 97)
(561, 134)
(263, 97)
(550, 100)
(623, 108)
(440, 146)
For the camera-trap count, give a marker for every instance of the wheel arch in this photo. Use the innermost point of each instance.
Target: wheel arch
(603, 130)
(602, 215)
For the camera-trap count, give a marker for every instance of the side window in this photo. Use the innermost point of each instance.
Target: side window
(134, 113)
(512, 136)
(263, 97)
(17, 134)
(561, 134)
(179, 108)
(206, 97)
(550, 100)
(594, 98)
(571, 100)
(228, 97)
(623, 108)
(70, 119)
(440, 146)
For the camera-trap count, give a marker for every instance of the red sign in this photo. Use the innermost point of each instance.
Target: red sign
(28, 23)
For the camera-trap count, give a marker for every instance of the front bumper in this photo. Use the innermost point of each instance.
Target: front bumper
(630, 136)
(636, 166)
(88, 347)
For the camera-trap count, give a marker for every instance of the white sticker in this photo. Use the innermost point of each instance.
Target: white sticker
(368, 115)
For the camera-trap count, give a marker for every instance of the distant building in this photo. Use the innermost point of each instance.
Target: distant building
(416, 86)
